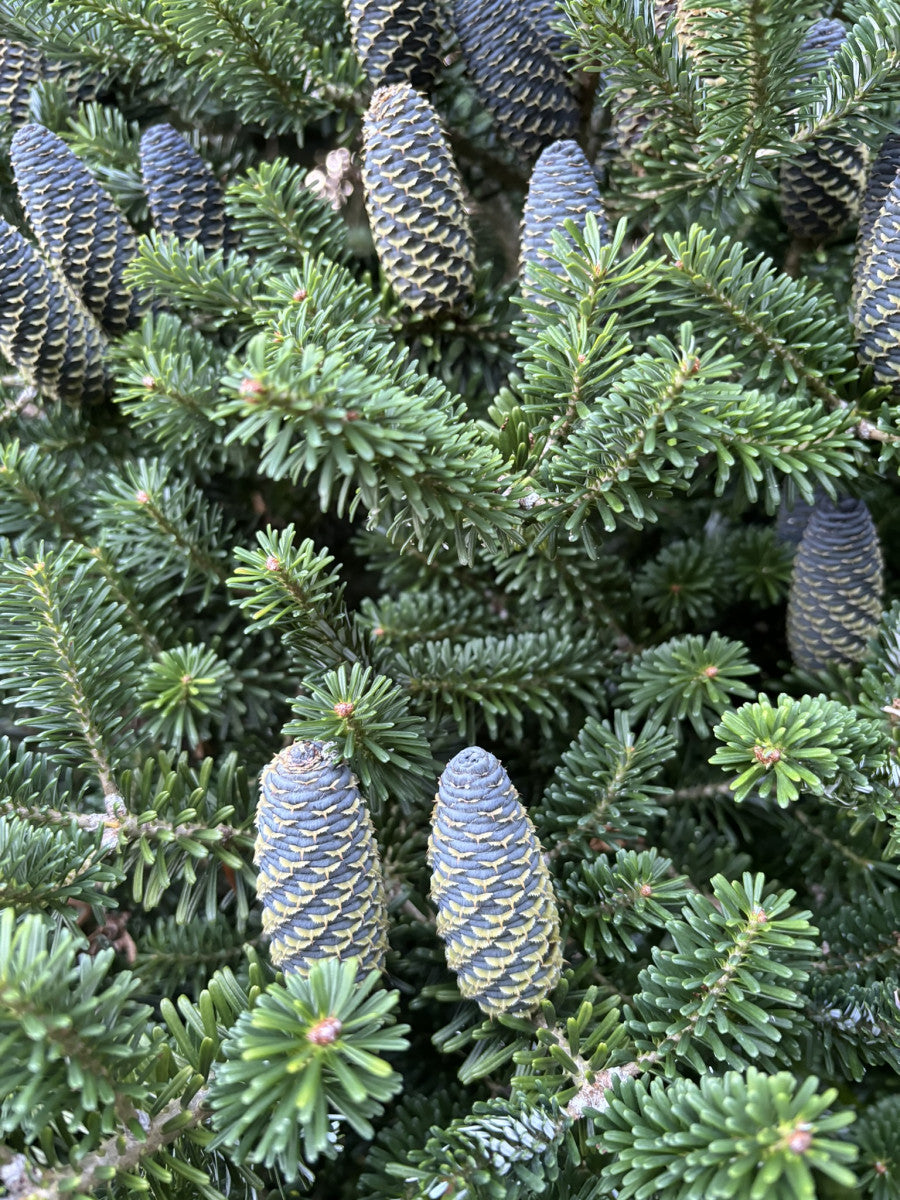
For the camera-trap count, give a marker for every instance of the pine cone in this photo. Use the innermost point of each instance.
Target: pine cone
(20, 69)
(518, 80)
(876, 302)
(834, 603)
(562, 186)
(542, 16)
(77, 224)
(820, 190)
(45, 331)
(319, 872)
(186, 200)
(415, 203)
(496, 909)
(397, 40)
(881, 175)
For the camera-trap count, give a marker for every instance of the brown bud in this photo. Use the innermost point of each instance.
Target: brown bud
(767, 755)
(344, 708)
(324, 1032)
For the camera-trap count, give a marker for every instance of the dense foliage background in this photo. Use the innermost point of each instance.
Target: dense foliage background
(549, 508)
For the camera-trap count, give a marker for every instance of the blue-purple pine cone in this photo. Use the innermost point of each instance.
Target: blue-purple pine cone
(78, 226)
(415, 202)
(524, 88)
(496, 910)
(563, 186)
(186, 200)
(544, 16)
(876, 296)
(45, 330)
(320, 879)
(821, 189)
(20, 69)
(834, 602)
(397, 40)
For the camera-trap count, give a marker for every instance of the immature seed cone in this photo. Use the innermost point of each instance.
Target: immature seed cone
(876, 314)
(496, 909)
(186, 200)
(882, 174)
(543, 16)
(397, 40)
(45, 331)
(20, 69)
(77, 224)
(319, 872)
(834, 603)
(821, 190)
(518, 80)
(562, 186)
(415, 203)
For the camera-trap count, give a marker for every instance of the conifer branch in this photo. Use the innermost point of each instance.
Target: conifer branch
(120, 1153)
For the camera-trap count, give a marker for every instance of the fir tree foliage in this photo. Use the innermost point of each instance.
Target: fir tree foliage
(253, 490)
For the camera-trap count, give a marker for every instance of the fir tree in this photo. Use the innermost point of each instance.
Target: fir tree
(417, 384)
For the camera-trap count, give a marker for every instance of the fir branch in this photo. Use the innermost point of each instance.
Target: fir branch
(500, 679)
(860, 78)
(52, 869)
(785, 324)
(737, 965)
(66, 654)
(250, 60)
(120, 1154)
(604, 789)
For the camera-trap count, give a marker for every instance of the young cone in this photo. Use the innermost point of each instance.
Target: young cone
(877, 300)
(834, 603)
(397, 40)
(77, 224)
(496, 909)
(414, 198)
(186, 200)
(320, 876)
(518, 80)
(562, 186)
(45, 331)
(821, 189)
(882, 174)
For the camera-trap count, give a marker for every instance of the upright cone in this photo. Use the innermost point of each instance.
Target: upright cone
(320, 876)
(882, 173)
(77, 224)
(834, 603)
(821, 189)
(496, 909)
(186, 200)
(45, 331)
(415, 202)
(397, 40)
(20, 69)
(524, 88)
(562, 187)
(876, 300)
